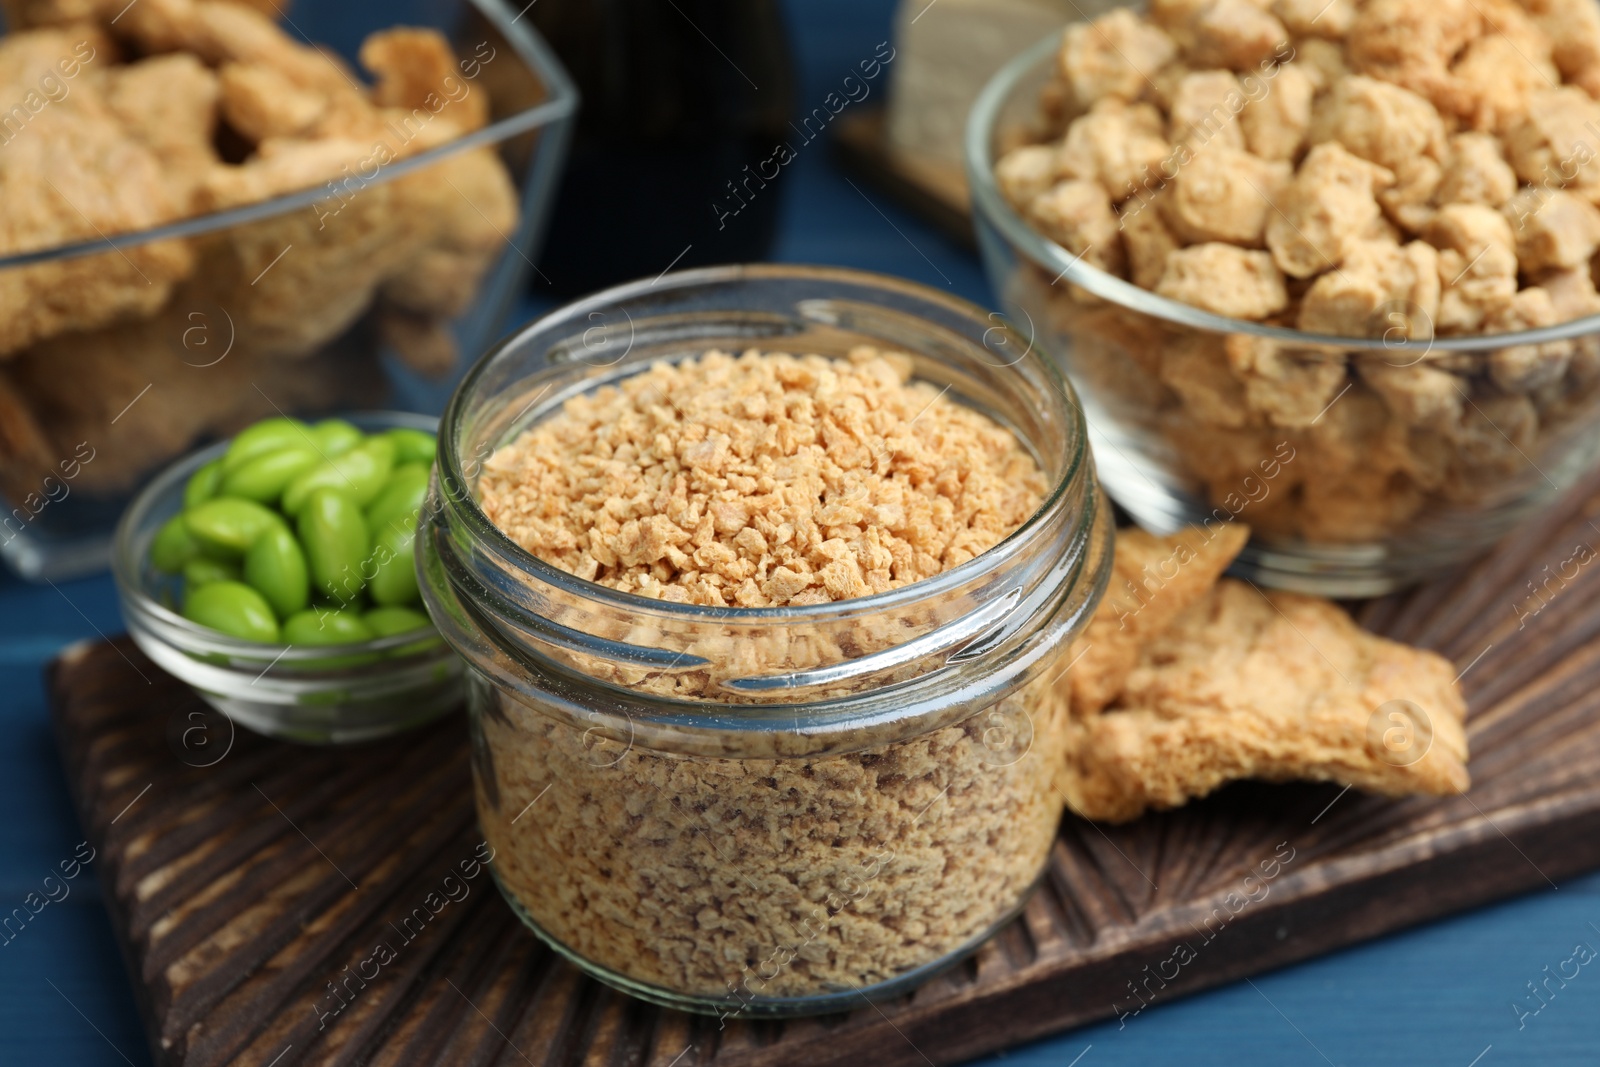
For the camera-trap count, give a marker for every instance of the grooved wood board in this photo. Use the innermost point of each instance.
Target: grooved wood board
(233, 886)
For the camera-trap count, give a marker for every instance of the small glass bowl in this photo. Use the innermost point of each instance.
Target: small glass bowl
(328, 695)
(1347, 492)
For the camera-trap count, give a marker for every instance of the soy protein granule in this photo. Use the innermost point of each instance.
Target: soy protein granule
(732, 879)
(763, 480)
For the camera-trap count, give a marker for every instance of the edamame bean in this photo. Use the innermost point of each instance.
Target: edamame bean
(173, 546)
(333, 533)
(412, 446)
(264, 478)
(319, 626)
(386, 622)
(400, 499)
(359, 473)
(203, 571)
(276, 567)
(268, 435)
(395, 582)
(232, 608)
(202, 485)
(230, 525)
(335, 437)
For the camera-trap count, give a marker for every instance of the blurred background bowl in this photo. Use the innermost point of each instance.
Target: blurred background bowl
(1344, 496)
(283, 310)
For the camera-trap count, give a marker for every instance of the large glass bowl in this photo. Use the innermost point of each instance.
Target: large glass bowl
(1344, 496)
(342, 296)
(343, 693)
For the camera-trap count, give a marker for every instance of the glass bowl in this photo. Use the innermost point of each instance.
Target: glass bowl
(329, 695)
(352, 294)
(742, 811)
(1347, 493)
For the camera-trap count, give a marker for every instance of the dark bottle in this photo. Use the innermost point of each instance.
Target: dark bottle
(678, 98)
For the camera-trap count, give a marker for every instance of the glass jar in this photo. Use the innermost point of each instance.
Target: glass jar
(766, 811)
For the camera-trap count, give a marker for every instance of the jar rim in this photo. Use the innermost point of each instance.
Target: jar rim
(992, 208)
(455, 485)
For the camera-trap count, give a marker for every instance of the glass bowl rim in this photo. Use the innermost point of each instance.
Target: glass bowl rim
(560, 103)
(453, 484)
(204, 639)
(991, 207)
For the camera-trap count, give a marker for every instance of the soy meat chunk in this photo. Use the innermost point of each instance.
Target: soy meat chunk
(1153, 581)
(1278, 117)
(1146, 240)
(1527, 368)
(1476, 172)
(1330, 199)
(1023, 173)
(416, 68)
(1323, 60)
(260, 102)
(1273, 686)
(1573, 27)
(1499, 72)
(1477, 265)
(1492, 440)
(1419, 393)
(1288, 387)
(1205, 109)
(1195, 367)
(1412, 44)
(1379, 290)
(170, 103)
(1572, 293)
(1225, 279)
(1118, 144)
(1329, 19)
(1237, 34)
(1554, 146)
(1394, 128)
(1077, 215)
(77, 173)
(1177, 18)
(1115, 55)
(1553, 229)
(459, 210)
(1223, 195)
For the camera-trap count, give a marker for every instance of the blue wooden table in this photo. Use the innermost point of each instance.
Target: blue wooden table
(1443, 994)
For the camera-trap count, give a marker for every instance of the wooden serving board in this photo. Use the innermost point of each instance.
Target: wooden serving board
(243, 878)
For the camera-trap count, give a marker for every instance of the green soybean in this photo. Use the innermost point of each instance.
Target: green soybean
(276, 566)
(334, 535)
(264, 478)
(173, 546)
(232, 608)
(386, 622)
(400, 499)
(203, 571)
(268, 435)
(230, 525)
(335, 437)
(395, 581)
(412, 446)
(360, 473)
(202, 484)
(321, 627)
